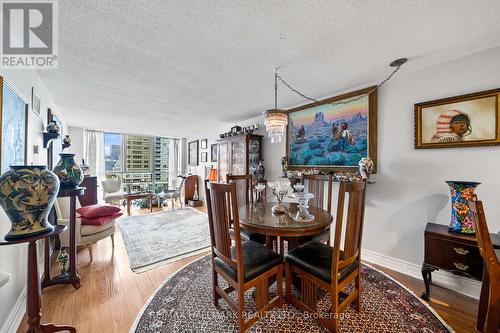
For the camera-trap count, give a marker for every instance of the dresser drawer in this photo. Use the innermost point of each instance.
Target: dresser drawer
(454, 256)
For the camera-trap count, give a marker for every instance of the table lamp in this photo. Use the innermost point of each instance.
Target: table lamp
(212, 176)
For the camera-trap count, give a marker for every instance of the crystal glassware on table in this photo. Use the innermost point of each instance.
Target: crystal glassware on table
(299, 187)
(260, 189)
(279, 188)
(303, 214)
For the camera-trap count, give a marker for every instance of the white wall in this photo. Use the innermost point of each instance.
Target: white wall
(13, 258)
(76, 134)
(410, 189)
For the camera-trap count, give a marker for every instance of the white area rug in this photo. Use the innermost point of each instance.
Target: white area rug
(156, 239)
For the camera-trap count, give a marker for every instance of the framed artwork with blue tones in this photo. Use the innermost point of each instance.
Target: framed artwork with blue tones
(333, 134)
(14, 119)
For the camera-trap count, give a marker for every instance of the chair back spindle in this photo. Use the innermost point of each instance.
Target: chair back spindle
(353, 224)
(244, 188)
(488, 316)
(315, 184)
(483, 235)
(222, 206)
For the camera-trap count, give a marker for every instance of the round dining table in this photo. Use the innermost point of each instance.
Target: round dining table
(259, 218)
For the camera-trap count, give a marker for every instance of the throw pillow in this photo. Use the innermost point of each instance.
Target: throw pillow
(98, 221)
(93, 211)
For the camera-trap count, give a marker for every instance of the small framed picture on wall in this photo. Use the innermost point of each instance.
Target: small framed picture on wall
(204, 144)
(213, 153)
(193, 153)
(204, 157)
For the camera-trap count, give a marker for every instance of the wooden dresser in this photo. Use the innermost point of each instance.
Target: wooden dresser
(90, 196)
(189, 186)
(453, 252)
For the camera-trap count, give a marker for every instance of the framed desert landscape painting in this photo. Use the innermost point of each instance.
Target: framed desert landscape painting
(459, 121)
(333, 134)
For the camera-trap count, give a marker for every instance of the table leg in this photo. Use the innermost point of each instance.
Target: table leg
(46, 264)
(151, 204)
(128, 206)
(426, 275)
(72, 244)
(33, 293)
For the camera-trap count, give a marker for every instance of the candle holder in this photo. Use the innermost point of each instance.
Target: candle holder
(303, 214)
(279, 190)
(260, 191)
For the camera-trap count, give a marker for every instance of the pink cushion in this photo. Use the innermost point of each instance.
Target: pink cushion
(93, 211)
(101, 220)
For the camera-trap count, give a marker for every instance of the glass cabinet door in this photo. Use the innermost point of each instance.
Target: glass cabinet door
(238, 157)
(223, 160)
(253, 156)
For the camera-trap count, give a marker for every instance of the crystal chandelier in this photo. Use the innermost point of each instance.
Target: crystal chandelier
(276, 119)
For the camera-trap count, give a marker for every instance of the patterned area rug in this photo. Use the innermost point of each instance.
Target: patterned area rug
(155, 239)
(184, 304)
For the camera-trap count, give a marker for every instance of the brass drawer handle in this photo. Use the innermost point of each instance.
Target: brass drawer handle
(461, 251)
(461, 266)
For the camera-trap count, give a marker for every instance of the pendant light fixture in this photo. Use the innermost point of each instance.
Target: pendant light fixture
(276, 119)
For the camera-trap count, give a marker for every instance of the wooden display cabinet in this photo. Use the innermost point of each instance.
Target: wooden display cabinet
(238, 155)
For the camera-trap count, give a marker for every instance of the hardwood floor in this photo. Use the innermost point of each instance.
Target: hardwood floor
(112, 295)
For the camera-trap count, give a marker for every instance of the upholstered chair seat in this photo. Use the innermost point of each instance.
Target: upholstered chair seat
(257, 259)
(316, 259)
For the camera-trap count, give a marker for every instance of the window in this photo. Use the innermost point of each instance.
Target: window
(113, 152)
(141, 162)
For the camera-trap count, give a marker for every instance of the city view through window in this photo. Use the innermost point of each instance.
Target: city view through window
(141, 162)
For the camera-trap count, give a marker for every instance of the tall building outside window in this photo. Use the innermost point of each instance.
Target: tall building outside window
(141, 162)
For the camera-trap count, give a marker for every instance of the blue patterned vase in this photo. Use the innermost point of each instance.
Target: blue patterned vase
(69, 173)
(27, 193)
(461, 216)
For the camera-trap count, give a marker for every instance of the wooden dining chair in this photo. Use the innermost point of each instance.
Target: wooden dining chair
(315, 184)
(488, 316)
(244, 265)
(320, 265)
(244, 195)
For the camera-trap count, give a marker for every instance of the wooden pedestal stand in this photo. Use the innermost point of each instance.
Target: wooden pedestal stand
(33, 293)
(73, 277)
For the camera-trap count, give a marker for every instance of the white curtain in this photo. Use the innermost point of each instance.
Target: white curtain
(93, 153)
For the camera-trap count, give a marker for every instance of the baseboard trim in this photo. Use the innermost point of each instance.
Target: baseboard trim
(16, 315)
(443, 279)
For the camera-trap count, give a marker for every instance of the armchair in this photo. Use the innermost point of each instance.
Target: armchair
(86, 235)
(173, 194)
(112, 190)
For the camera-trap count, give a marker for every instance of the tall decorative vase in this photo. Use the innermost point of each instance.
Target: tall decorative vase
(261, 171)
(461, 216)
(69, 173)
(196, 197)
(27, 193)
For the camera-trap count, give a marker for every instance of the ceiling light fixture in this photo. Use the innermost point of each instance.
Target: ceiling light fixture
(276, 119)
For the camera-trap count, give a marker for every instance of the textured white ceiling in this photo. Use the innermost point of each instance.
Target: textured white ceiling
(178, 68)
